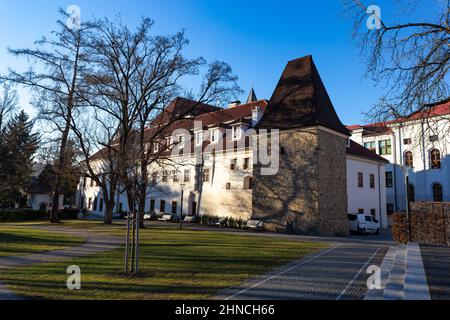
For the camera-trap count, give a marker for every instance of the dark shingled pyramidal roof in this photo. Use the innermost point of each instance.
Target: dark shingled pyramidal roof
(301, 100)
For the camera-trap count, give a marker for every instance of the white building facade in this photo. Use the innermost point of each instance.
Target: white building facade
(417, 148)
(219, 172)
(221, 184)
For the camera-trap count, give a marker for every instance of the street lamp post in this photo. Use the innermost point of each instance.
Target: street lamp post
(182, 199)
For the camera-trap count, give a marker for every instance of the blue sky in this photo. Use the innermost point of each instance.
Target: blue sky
(256, 37)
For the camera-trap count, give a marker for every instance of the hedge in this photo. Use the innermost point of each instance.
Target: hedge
(22, 215)
(33, 215)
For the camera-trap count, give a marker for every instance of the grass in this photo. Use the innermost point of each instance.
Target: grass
(18, 239)
(174, 265)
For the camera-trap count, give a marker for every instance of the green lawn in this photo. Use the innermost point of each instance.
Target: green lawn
(16, 240)
(174, 264)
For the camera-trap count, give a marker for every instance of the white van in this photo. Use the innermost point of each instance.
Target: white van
(362, 223)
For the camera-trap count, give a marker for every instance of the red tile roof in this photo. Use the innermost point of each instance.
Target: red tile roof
(383, 127)
(358, 150)
(213, 117)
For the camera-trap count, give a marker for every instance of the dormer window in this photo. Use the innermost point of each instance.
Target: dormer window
(236, 132)
(199, 138)
(169, 143)
(181, 141)
(214, 136)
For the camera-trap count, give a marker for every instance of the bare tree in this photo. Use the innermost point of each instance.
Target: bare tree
(410, 58)
(95, 133)
(54, 77)
(8, 104)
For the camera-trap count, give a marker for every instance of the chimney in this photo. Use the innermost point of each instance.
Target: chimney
(234, 104)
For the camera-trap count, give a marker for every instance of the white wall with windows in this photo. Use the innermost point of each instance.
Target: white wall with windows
(366, 188)
(419, 150)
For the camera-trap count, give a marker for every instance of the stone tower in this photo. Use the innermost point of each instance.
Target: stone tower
(309, 193)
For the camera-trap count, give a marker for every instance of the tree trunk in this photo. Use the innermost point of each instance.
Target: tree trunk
(54, 217)
(109, 211)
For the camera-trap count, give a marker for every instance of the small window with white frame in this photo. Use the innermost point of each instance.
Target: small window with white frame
(236, 132)
(181, 141)
(199, 138)
(214, 135)
(169, 142)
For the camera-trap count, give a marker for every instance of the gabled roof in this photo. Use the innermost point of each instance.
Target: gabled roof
(182, 107)
(217, 117)
(301, 100)
(358, 150)
(381, 128)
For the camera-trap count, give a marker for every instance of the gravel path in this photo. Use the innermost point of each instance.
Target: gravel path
(95, 243)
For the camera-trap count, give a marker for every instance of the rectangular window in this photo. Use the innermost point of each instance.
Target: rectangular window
(372, 181)
(120, 207)
(434, 138)
(181, 141)
(385, 147)
(101, 205)
(360, 180)
(199, 138)
(246, 163)
(228, 186)
(236, 132)
(175, 176)
(361, 211)
(373, 213)
(214, 135)
(92, 182)
(371, 146)
(407, 141)
(162, 206)
(95, 204)
(187, 175)
(233, 164)
(390, 209)
(174, 207)
(165, 176)
(389, 179)
(169, 143)
(152, 205)
(206, 174)
(156, 148)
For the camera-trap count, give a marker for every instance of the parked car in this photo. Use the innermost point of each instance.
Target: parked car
(362, 223)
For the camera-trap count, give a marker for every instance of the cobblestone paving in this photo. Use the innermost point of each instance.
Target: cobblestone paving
(337, 273)
(436, 261)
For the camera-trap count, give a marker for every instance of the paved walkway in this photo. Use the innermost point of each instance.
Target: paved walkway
(436, 261)
(338, 273)
(95, 243)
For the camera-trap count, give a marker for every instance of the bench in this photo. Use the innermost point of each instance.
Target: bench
(166, 217)
(189, 219)
(255, 224)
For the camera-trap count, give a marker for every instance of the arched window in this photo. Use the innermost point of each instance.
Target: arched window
(437, 193)
(411, 193)
(248, 183)
(435, 159)
(409, 160)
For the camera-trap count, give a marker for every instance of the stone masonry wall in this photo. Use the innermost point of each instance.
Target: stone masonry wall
(309, 191)
(332, 184)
